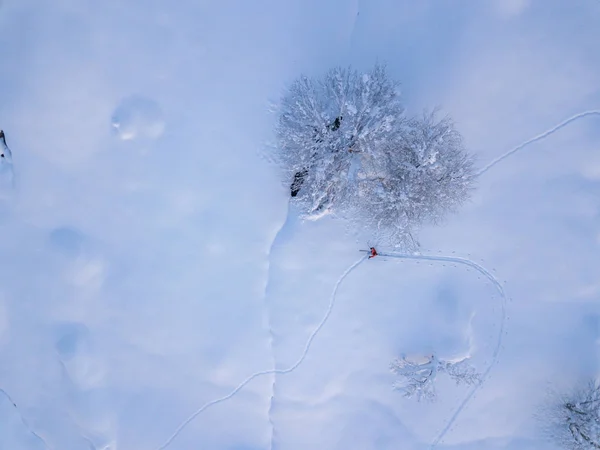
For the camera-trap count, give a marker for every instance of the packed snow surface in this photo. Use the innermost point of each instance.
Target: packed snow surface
(158, 290)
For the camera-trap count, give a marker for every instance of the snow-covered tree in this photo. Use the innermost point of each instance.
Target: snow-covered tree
(421, 176)
(575, 421)
(347, 148)
(417, 379)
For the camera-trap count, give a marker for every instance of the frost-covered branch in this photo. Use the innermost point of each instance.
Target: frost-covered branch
(417, 379)
(575, 421)
(461, 372)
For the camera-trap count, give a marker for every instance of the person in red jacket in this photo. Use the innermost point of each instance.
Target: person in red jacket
(373, 253)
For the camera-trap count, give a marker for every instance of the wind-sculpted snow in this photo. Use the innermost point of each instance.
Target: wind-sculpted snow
(500, 289)
(290, 369)
(539, 137)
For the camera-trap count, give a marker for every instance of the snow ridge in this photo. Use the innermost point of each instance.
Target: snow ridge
(283, 231)
(500, 289)
(23, 421)
(271, 371)
(539, 137)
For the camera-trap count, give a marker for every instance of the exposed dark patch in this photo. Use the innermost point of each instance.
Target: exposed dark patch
(3, 138)
(299, 178)
(71, 339)
(66, 240)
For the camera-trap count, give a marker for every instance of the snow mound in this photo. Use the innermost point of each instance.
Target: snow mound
(138, 117)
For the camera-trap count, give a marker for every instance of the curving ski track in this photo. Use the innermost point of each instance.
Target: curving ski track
(272, 371)
(482, 270)
(593, 112)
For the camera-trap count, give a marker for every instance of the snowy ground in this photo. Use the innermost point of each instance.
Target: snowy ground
(150, 264)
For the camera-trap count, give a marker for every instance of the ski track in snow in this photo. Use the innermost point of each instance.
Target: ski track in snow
(23, 421)
(500, 289)
(539, 137)
(272, 371)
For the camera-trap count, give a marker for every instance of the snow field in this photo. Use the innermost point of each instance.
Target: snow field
(137, 282)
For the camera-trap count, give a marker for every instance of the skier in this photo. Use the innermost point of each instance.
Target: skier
(373, 253)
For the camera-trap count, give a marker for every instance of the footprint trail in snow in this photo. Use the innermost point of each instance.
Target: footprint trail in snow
(486, 273)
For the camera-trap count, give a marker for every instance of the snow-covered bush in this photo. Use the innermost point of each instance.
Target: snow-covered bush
(417, 379)
(347, 148)
(575, 421)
